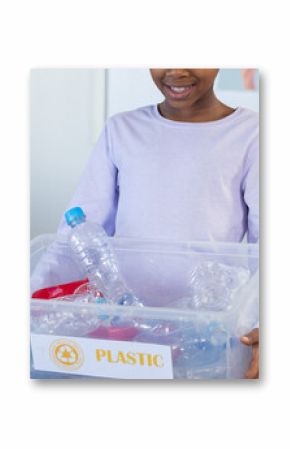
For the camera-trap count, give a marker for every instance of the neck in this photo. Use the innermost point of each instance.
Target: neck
(207, 108)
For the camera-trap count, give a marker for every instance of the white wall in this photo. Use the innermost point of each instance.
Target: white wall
(129, 89)
(67, 109)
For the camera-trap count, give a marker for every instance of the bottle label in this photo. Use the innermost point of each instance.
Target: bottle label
(101, 358)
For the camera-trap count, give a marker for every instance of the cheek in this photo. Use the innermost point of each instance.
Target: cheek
(157, 75)
(207, 76)
(213, 74)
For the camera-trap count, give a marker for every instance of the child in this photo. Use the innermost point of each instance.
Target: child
(186, 169)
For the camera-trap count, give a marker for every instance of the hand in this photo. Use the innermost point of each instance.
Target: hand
(252, 339)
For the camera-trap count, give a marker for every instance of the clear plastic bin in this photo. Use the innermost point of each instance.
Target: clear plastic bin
(159, 273)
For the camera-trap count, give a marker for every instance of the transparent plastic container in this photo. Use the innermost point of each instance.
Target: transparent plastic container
(159, 273)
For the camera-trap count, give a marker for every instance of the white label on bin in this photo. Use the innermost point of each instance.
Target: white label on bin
(101, 358)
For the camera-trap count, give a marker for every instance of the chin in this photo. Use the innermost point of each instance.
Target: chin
(179, 104)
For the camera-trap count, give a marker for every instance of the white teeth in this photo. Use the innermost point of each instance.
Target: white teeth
(178, 89)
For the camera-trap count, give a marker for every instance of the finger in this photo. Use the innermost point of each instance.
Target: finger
(251, 338)
(253, 371)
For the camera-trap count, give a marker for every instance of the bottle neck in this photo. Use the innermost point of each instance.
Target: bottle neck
(77, 222)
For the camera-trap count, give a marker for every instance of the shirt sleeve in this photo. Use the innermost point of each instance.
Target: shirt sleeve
(97, 192)
(250, 189)
(97, 195)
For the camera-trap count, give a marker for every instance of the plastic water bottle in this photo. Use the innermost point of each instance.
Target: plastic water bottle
(201, 352)
(91, 245)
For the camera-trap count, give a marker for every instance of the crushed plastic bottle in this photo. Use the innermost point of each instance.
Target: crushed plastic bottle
(202, 352)
(65, 322)
(213, 285)
(216, 333)
(197, 351)
(90, 244)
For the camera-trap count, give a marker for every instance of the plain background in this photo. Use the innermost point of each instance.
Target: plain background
(227, 415)
(68, 109)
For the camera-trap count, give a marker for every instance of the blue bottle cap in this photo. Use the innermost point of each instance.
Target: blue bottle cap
(75, 216)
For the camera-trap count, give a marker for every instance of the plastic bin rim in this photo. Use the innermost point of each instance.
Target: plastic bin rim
(214, 247)
(145, 312)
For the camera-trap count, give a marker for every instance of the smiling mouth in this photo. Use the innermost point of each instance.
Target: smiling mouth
(179, 92)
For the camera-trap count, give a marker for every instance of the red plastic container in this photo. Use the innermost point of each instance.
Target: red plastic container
(58, 291)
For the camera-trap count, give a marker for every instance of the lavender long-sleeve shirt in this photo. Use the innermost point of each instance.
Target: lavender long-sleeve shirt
(151, 177)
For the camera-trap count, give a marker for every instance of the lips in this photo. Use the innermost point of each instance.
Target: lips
(178, 92)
